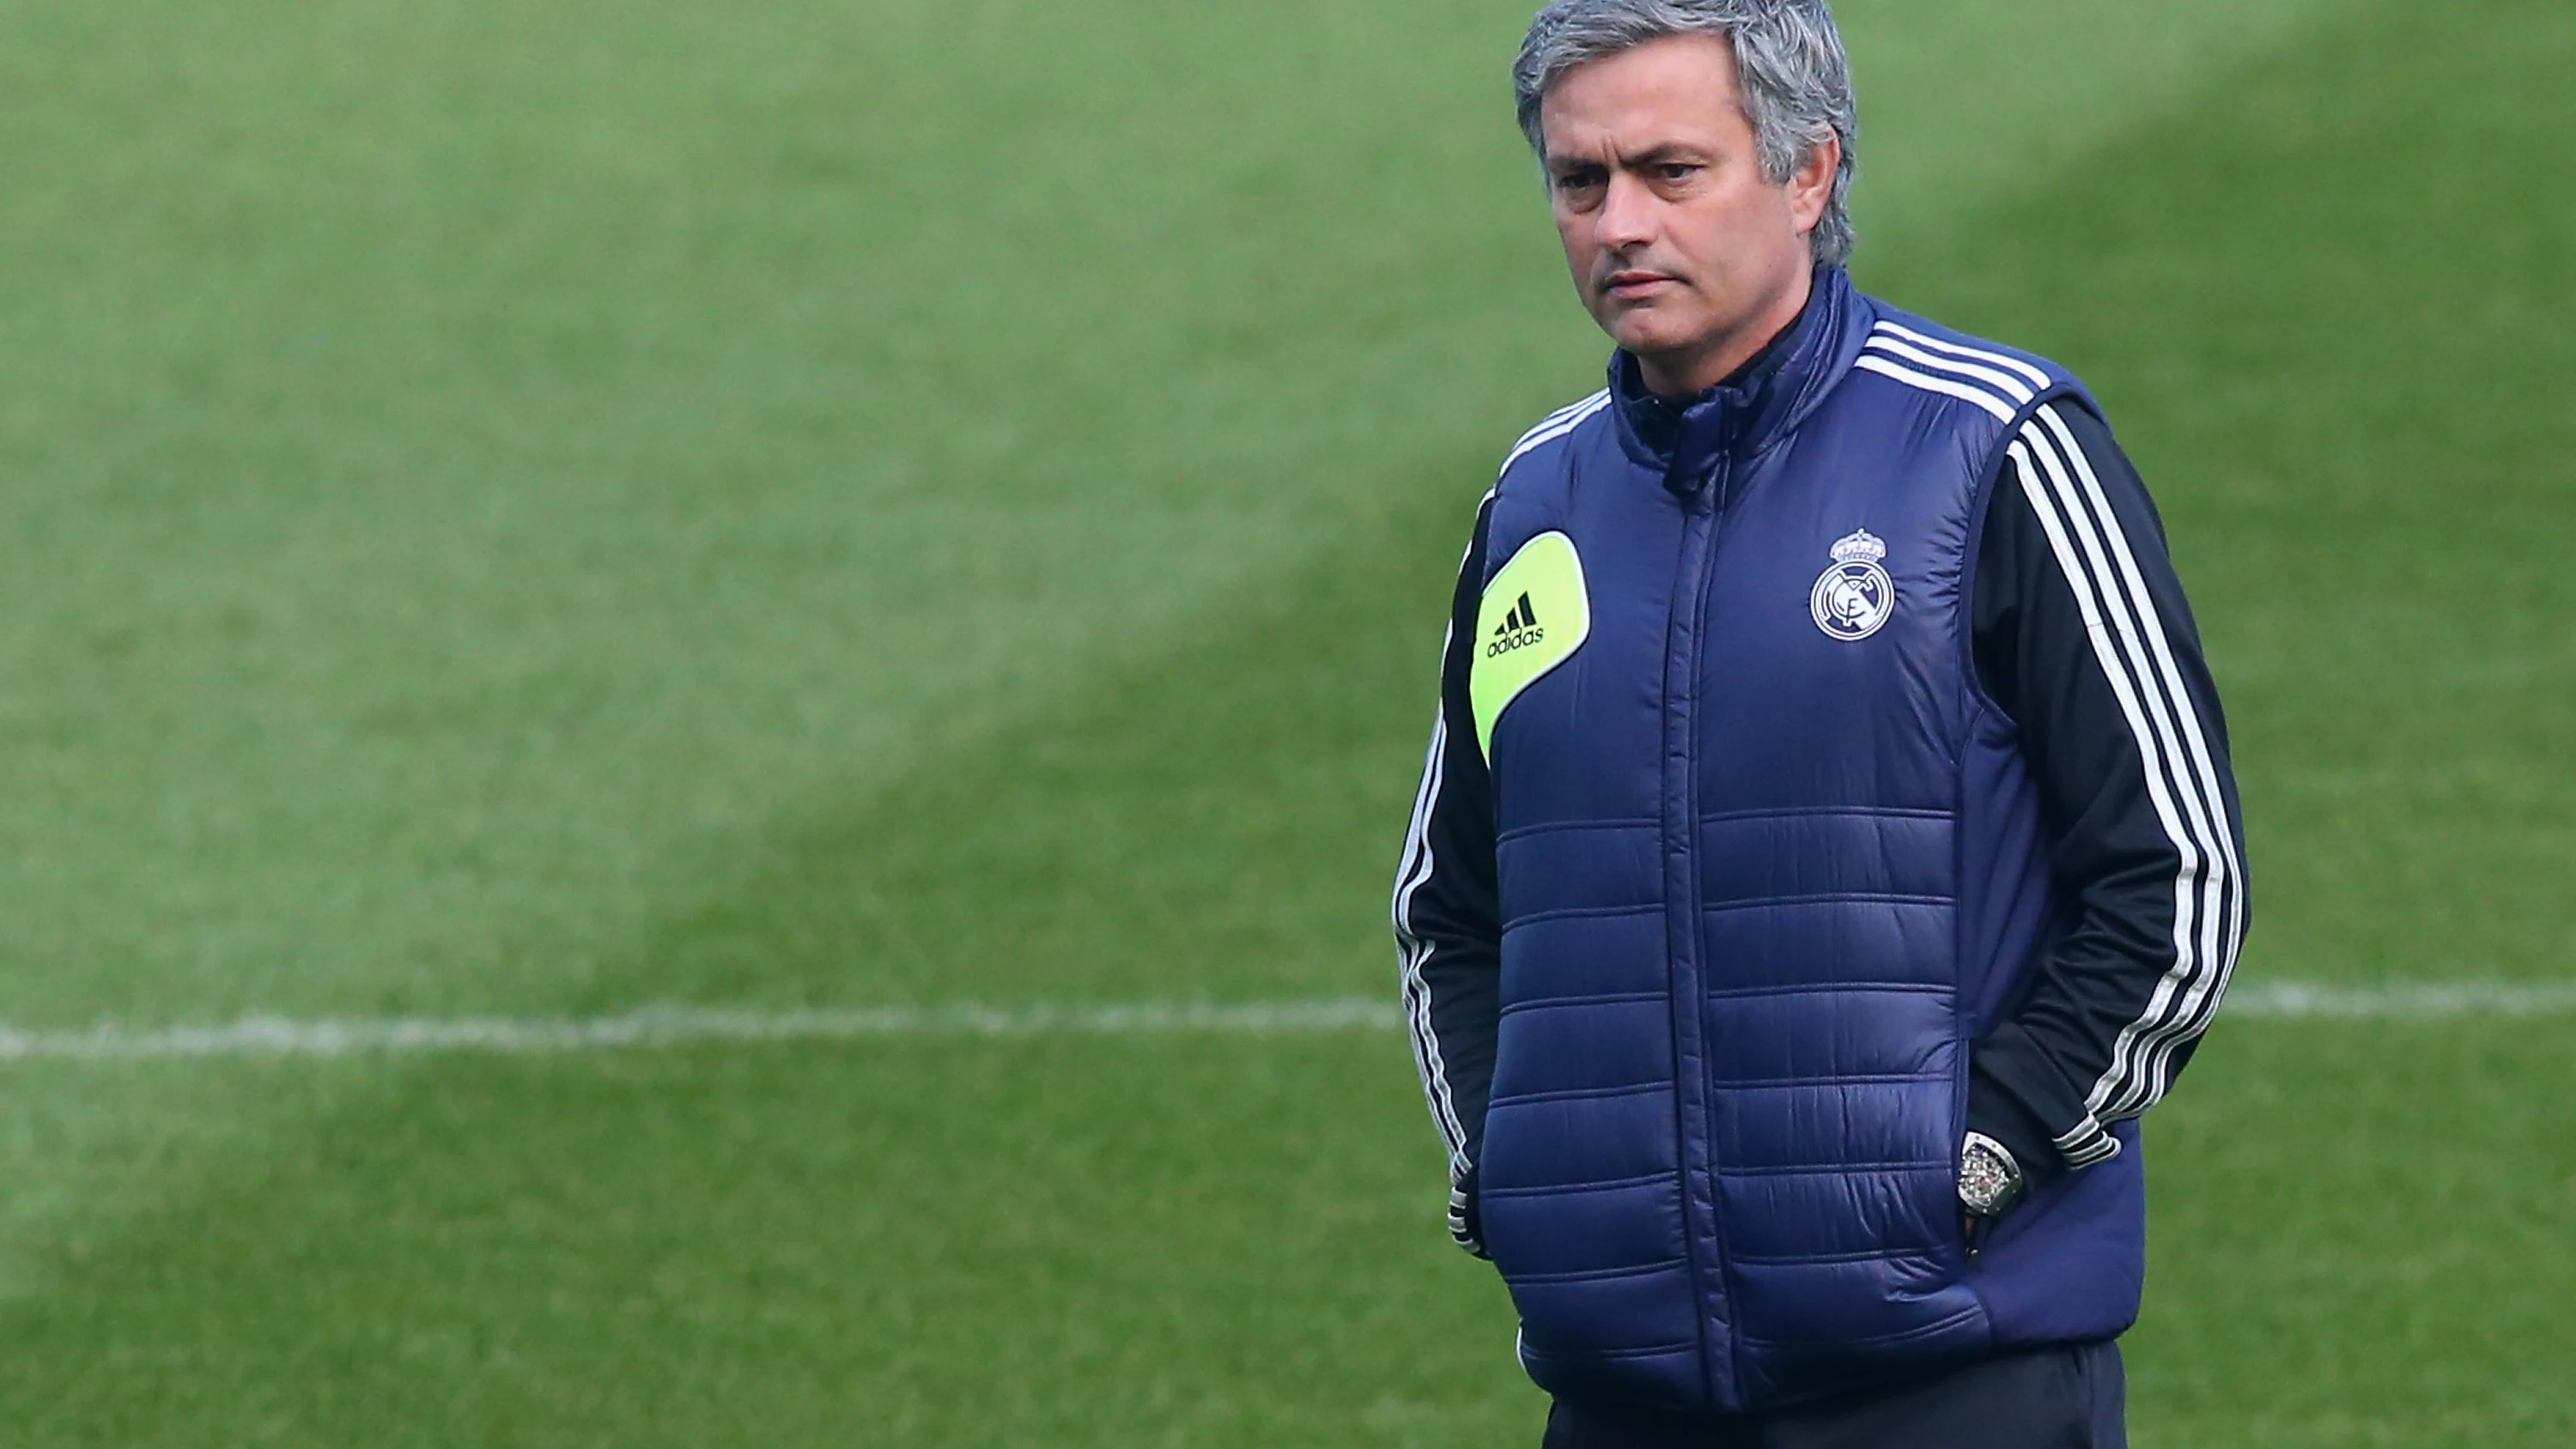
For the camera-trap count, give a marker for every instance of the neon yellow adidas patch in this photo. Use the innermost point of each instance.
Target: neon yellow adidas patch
(1535, 614)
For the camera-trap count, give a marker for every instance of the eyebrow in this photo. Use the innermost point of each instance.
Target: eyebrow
(1651, 156)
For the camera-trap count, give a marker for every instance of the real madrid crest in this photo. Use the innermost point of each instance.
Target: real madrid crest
(1855, 597)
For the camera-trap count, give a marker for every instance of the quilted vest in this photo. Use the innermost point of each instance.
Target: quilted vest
(1769, 862)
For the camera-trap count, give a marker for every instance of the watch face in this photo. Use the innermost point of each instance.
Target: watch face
(1984, 1177)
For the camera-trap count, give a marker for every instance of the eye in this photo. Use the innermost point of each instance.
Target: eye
(1676, 172)
(1581, 188)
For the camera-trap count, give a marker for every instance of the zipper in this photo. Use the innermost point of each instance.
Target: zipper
(1720, 485)
(1703, 508)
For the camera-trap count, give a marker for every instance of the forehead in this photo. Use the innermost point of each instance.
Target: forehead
(1680, 88)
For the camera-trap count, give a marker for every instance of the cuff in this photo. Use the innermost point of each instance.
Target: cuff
(1466, 1223)
(2020, 1099)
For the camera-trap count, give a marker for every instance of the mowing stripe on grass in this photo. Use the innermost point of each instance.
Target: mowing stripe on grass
(672, 1026)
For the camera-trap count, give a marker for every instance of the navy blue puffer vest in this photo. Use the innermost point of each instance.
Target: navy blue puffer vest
(1769, 862)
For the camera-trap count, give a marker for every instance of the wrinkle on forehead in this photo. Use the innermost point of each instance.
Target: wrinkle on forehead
(1677, 91)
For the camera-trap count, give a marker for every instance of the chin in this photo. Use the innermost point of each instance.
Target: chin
(1655, 340)
(1649, 333)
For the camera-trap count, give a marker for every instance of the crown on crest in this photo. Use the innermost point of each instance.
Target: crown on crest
(1861, 547)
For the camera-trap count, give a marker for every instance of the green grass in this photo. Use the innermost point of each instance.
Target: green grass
(520, 509)
(1169, 1243)
(2326, 311)
(478, 473)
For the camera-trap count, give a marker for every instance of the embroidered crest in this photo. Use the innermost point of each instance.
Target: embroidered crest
(1855, 597)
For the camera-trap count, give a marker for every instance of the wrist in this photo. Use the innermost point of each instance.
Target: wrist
(1995, 1110)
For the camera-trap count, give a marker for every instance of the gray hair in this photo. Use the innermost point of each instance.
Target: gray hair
(1789, 64)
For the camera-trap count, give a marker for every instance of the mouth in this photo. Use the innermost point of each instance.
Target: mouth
(1634, 286)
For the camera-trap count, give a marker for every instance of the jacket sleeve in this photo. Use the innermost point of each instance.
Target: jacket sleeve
(1448, 938)
(2083, 637)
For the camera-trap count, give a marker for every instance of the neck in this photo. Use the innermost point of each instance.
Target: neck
(1678, 375)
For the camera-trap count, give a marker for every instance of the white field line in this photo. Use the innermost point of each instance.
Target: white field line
(2403, 1001)
(677, 1026)
(674, 1026)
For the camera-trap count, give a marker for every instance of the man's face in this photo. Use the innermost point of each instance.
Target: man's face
(1680, 249)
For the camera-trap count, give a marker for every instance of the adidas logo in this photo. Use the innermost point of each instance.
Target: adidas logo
(1519, 630)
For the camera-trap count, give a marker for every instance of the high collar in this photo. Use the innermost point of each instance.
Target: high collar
(1682, 439)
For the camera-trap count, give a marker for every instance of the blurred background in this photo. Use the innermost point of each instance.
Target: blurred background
(545, 510)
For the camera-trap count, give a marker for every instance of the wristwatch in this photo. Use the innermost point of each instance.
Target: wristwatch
(1989, 1180)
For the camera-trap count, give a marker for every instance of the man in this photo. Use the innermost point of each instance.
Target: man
(1828, 847)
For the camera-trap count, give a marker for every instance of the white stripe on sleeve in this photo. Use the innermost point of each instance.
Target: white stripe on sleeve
(2137, 659)
(1413, 950)
(2223, 921)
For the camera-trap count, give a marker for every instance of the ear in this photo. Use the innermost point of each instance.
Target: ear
(1811, 186)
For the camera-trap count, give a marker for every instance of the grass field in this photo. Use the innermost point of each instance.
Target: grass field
(528, 510)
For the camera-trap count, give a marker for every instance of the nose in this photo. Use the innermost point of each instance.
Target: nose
(1627, 216)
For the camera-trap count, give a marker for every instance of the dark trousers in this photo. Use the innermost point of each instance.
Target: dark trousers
(2071, 1397)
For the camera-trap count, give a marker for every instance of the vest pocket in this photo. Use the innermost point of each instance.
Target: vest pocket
(1832, 1113)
